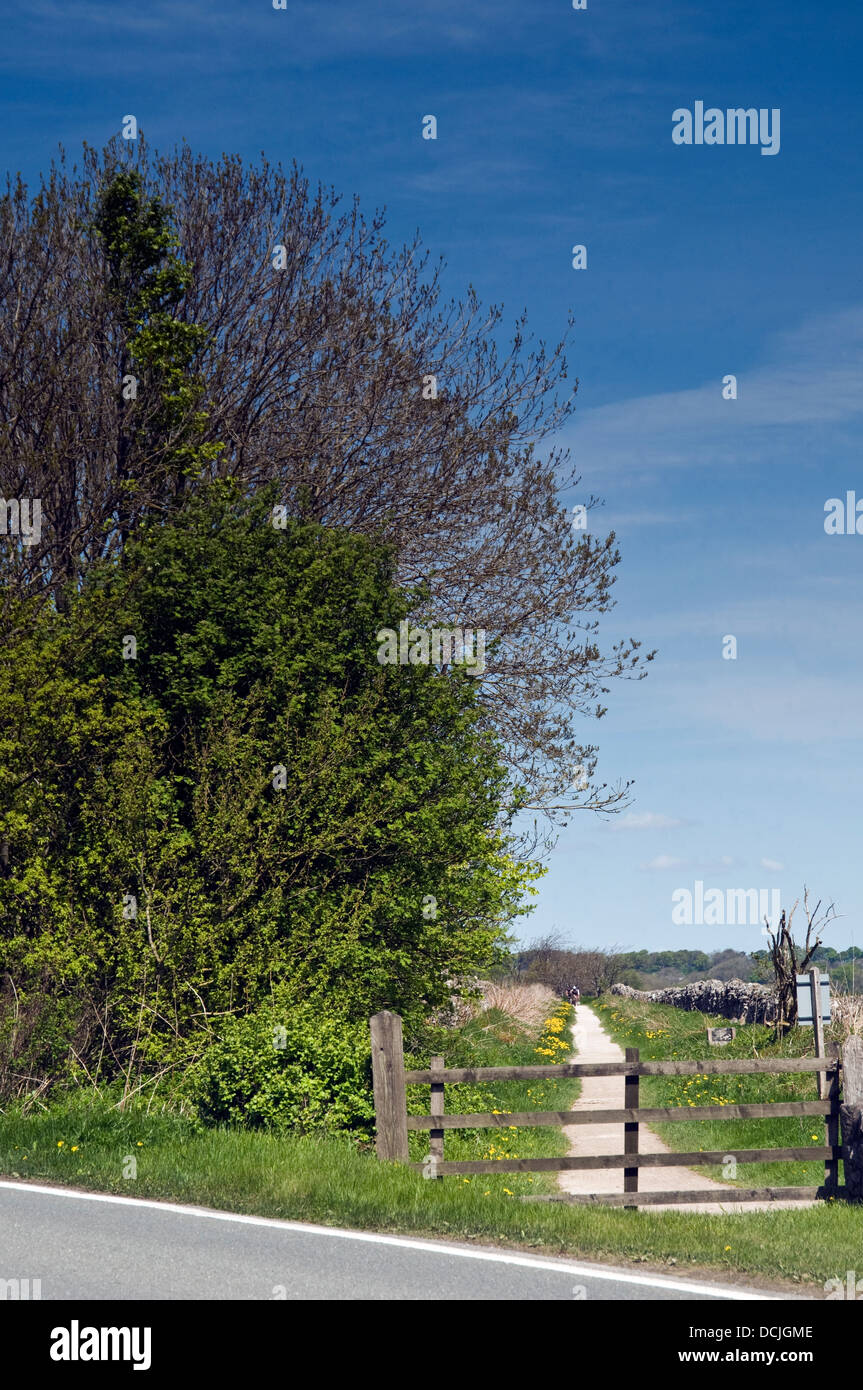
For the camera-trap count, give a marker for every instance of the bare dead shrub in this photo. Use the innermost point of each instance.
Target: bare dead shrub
(846, 1016)
(527, 1004)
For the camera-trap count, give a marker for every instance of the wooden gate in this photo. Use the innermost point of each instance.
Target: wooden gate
(394, 1123)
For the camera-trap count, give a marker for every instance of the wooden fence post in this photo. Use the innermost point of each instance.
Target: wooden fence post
(436, 1108)
(818, 1026)
(831, 1165)
(851, 1112)
(388, 1077)
(630, 1130)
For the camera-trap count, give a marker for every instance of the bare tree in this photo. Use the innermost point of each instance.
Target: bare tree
(597, 970)
(547, 961)
(790, 959)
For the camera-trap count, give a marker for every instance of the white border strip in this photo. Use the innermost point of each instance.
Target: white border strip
(585, 1271)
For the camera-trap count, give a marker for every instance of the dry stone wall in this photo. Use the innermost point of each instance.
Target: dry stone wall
(731, 999)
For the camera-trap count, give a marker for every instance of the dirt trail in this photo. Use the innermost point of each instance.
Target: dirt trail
(592, 1044)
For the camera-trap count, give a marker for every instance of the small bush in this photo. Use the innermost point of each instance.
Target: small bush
(294, 1068)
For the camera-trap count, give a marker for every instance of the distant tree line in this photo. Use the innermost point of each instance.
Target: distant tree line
(650, 961)
(549, 961)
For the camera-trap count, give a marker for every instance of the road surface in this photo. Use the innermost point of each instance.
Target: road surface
(88, 1246)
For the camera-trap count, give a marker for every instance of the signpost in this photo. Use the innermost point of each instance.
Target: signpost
(813, 1011)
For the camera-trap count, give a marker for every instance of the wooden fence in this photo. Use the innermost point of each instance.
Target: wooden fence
(394, 1123)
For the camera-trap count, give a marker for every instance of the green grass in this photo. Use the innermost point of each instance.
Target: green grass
(660, 1032)
(327, 1181)
(495, 1040)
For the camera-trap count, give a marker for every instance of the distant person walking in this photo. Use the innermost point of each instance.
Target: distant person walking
(573, 994)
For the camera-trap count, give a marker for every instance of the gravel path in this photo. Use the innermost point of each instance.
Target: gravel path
(592, 1044)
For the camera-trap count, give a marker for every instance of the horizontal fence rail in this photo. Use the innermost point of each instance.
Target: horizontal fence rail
(394, 1124)
(716, 1196)
(745, 1066)
(769, 1110)
(575, 1163)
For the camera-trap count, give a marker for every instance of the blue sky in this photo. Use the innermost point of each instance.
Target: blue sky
(554, 128)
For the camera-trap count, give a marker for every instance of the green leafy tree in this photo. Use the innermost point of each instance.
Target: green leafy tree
(252, 802)
(147, 282)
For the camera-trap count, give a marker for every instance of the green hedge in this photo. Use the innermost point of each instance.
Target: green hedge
(287, 1069)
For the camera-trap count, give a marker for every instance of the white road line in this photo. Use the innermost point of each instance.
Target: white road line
(584, 1271)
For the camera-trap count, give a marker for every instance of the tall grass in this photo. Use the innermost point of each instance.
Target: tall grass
(846, 1016)
(527, 1004)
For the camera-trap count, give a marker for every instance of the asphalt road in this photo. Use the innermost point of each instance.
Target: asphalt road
(85, 1246)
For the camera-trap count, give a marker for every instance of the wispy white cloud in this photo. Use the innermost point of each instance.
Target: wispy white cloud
(646, 820)
(303, 32)
(466, 177)
(811, 376)
(772, 865)
(808, 605)
(805, 709)
(610, 520)
(698, 866)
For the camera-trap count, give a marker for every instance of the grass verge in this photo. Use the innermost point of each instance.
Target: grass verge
(85, 1142)
(327, 1181)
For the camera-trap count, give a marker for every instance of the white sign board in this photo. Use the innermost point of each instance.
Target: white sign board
(804, 1000)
